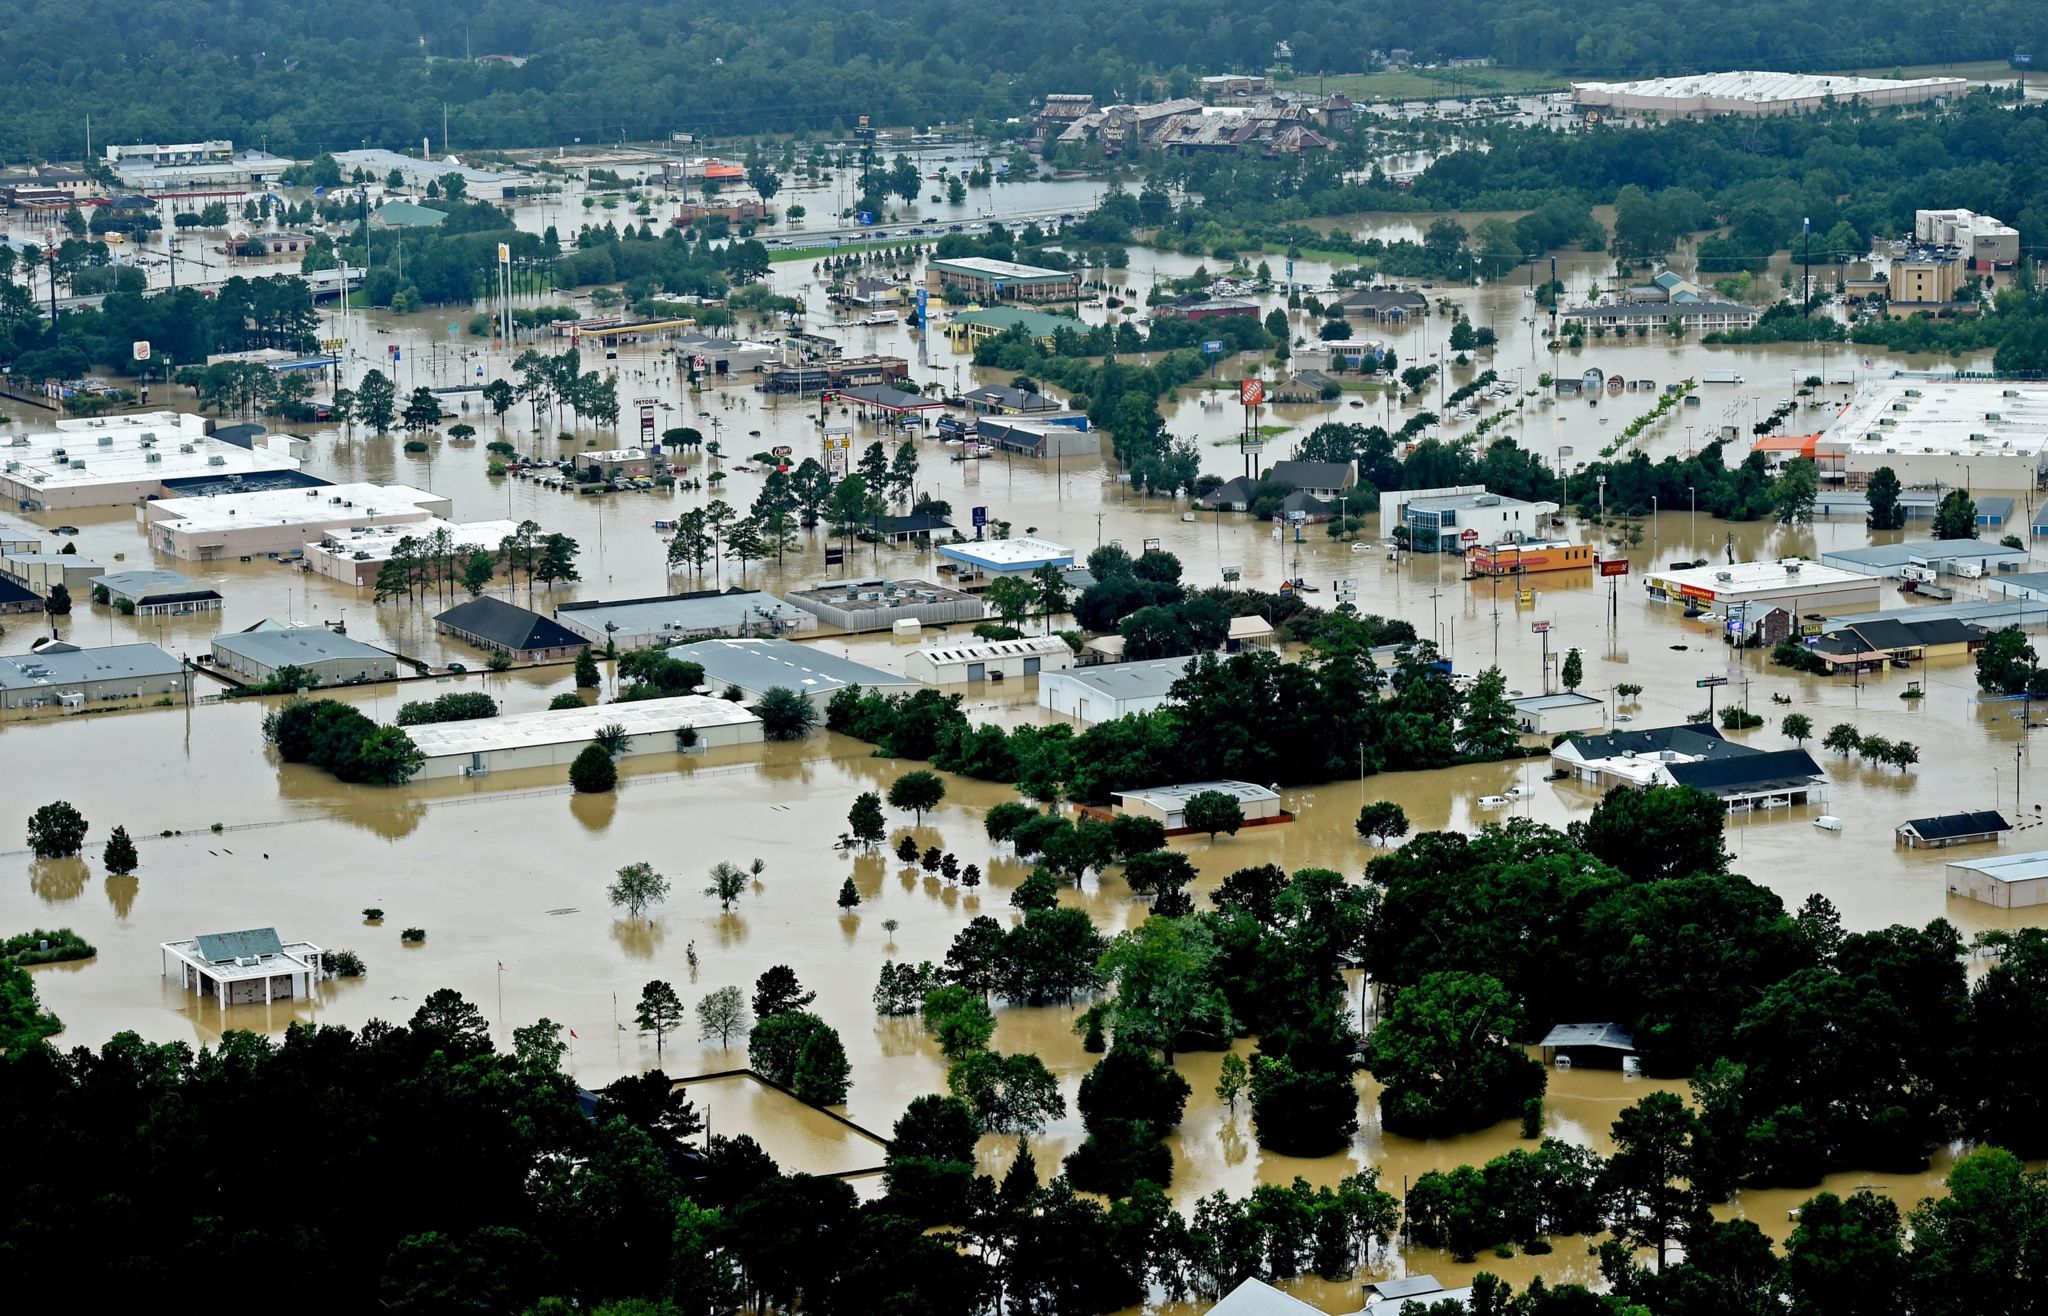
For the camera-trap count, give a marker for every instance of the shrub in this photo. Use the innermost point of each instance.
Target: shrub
(373, 915)
(119, 856)
(593, 772)
(448, 708)
(415, 445)
(564, 700)
(413, 936)
(785, 714)
(345, 963)
(27, 948)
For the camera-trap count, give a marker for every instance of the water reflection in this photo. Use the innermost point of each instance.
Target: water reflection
(121, 893)
(639, 937)
(56, 881)
(594, 812)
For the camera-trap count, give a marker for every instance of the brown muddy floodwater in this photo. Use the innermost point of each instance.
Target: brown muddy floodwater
(510, 870)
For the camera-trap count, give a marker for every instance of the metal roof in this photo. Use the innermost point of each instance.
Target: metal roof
(567, 725)
(1947, 826)
(1747, 772)
(1255, 1297)
(1173, 797)
(1010, 554)
(1028, 647)
(1146, 680)
(1933, 550)
(1608, 1036)
(2026, 867)
(703, 610)
(761, 665)
(58, 665)
(1563, 699)
(294, 646)
(988, 267)
(237, 945)
(508, 626)
(1405, 1288)
(144, 585)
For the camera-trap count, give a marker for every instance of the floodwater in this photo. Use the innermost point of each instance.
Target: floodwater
(507, 874)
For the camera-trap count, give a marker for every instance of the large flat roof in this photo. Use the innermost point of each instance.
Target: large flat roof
(764, 664)
(2008, 868)
(124, 449)
(294, 646)
(991, 268)
(334, 504)
(149, 584)
(877, 593)
(1944, 416)
(1761, 86)
(375, 543)
(1142, 680)
(710, 610)
(983, 650)
(1010, 554)
(1173, 797)
(1931, 550)
(63, 665)
(1744, 576)
(563, 726)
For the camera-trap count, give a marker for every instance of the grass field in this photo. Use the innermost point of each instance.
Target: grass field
(1428, 84)
(782, 254)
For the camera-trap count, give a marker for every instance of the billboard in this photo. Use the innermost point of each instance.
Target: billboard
(1614, 566)
(1252, 392)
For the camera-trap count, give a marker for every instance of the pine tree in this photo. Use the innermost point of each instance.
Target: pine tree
(119, 856)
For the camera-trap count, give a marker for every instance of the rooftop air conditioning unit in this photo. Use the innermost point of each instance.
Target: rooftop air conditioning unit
(1724, 576)
(57, 453)
(1994, 417)
(78, 463)
(106, 440)
(186, 447)
(12, 467)
(1911, 393)
(1791, 568)
(216, 460)
(152, 457)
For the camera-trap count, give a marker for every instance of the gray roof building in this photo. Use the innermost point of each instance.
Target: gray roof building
(329, 656)
(674, 618)
(63, 673)
(150, 592)
(757, 666)
(490, 623)
(877, 604)
(1325, 478)
(1947, 556)
(1255, 1297)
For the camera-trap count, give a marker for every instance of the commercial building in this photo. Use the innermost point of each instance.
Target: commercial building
(1971, 559)
(1327, 480)
(985, 279)
(1002, 400)
(194, 168)
(1383, 305)
(1040, 326)
(725, 356)
(1981, 241)
(1797, 585)
(158, 593)
(357, 555)
(281, 520)
(2017, 881)
(596, 465)
(1768, 779)
(62, 673)
(478, 184)
(674, 618)
(1948, 829)
(1455, 518)
(1415, 1293)
(1550, 715)
(17, 599)
(1635, 757)
(15, 537)
(556, 736)
(1110, 690)
(243, 968)
(1622, 315)
(327, 656)
(876, 604)
(1057, 435)
(1941, 433)
(494, 625)
(1007, 557)
(1870, 644)
(1529, 557)
(39, 573)
(115, 460)
(1168, 804)
(988, 660)
(1752, 94)
(1926, 281)
(758, 666)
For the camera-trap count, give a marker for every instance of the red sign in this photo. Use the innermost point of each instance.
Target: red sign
(1470, 536)
(1695, 592)
(1614, 566)
(1252, 392)
(1539, 627)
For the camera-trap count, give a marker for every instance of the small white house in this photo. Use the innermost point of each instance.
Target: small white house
(1168, 804)
(244, 968)
(1111, 690)
(988, 660)
(1550, 715)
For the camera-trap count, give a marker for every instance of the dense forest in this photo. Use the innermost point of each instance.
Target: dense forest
(301, 79)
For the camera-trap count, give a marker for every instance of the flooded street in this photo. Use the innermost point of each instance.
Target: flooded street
(507, 873)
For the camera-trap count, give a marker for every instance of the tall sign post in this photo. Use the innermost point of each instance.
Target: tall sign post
(1251, 393)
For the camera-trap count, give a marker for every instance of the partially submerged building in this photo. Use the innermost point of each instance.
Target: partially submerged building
(64, 674)
(521, 633)
(758, 666)
(875, 604)
(1110, 690)
(972, 661)
(552, 737)
(1168, 804)
(2016, 881)
(328, 657)
(158, 593)
(674, 618)
(243, 968)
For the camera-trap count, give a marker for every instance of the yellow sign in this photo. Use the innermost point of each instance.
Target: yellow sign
(333, 344)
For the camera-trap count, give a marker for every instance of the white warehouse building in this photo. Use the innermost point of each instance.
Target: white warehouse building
(281, 520)
(988, 660)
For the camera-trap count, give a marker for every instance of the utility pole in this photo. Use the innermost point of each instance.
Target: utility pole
(1806, 286)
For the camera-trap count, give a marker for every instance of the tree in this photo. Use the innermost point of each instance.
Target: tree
(1792, 493)
(1445, 1057)
(849, 895)
(930, 1166)
(587, 675)
(728, 883)
(777, 991)
(1381, 820)
(2006, 663)
(1487, 729)
(1904, 754)
(865, 819)
(422, 409)
(637, 887)
(1656, 832)
(1652, 1146)
(660, 1011)
(1005, 818)
(1039, 890)
(57, 603)
(57, 831)
(785, 714)
(1886, 512)
(1796, 727)
(1956, 517)
(1010, 598)
(376, 401)
(119, 857)
(917, 791)
(1136, 834)
(1213, 812)
(1052, 592)
(801, 1052)
(959, 1018)
(1232, 1080)
(1166, 988)
(1573, 673)
(1843, 738)
(1007, 1093)
(593, 772)
(1845, 1257)
(720, 1014)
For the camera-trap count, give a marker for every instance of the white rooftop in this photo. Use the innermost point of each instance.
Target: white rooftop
(1172, 797)
(1762, 86)
(2008, 868)
(566, 725)
(1001, 269)
(1742, 576)
(374, 543)
(124, 449)
(1029, 646)
(1993, 417)
(332, 504)
(1008, 554)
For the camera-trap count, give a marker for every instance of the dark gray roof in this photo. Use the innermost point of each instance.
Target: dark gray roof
(1945, 630)
(1949, 825)
(882, 395)
(1695, 738)
(508, 626)
(1380, 298)
(1607, 1037)
(1887, 634)
(10, 592)
(217, 946)
(1747, 772)
(1313, 475)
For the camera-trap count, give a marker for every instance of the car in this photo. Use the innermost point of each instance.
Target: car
(64, 530)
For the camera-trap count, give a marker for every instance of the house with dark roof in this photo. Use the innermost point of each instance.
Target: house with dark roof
(1873, 642)
(18, 598)
(909, 529)
(1386, 305)
(1768, 779)
(1233, 495)
(1944, 830)
(1323, 479)
(492, 624)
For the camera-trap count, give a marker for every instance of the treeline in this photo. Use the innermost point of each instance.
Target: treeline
(183, 326)
(339, 738)
(1248, 717)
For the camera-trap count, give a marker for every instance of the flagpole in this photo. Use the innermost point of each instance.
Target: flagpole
(501, 996)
